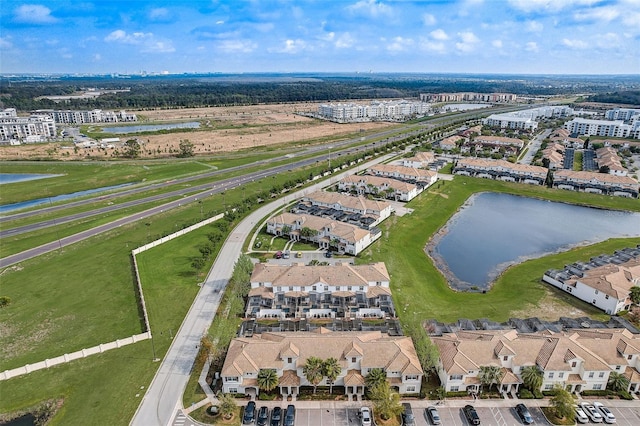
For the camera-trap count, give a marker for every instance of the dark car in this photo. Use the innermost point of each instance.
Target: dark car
(408, 418)
(433, 415)
(263, 416)
(524, 414)
(328, 254)
(276, 416)
(249, 415)
(471, 414)
(290, 416)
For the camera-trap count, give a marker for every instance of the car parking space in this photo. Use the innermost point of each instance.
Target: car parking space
(327, 417)
(626, 416)
(499, 416)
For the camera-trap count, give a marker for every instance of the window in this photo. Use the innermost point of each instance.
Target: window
(289, 360)
(596, 291)
(314, 288)
(326, 288)
(505, 358)
(618, 367)
(290, 288)
(361, 288)
(233, 390)
(597, 387)
(411, 388)
(573, 364)
(455, 377)
(560, 375)
(548, 387)
(593, 301)
(412, 377)
(591, 375)
(231, 379)
(454, 388)
(629, 356)
(551, 375)
(353, 359)
(601, 374)
(348, 288)
(606, 297)
(378, 283)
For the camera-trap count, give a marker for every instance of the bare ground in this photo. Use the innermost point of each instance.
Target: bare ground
(225, 129)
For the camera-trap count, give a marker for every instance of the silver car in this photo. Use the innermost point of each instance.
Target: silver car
(581, 417)
(591, 412)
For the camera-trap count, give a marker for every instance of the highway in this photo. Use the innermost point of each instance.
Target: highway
(164, 395)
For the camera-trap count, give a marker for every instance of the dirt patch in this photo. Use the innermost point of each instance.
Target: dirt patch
(550, 308)
(224, 129)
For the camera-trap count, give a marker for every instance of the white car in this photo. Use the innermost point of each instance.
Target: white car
(365, 417)
(591, 411)
(606, 414)
(581, 417)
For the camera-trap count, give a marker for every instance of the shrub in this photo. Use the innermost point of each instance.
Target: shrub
(526, 394)
(457, 394)
(537, 394)
(4, 301)
(625, 395)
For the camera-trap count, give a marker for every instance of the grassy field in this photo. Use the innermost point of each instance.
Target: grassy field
(420, 291)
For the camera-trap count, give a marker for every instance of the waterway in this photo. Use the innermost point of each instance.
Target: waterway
(32, 203)
(6, 178)
(150, 127)
(493, 231)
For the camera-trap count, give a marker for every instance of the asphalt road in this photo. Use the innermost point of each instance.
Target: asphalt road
(534, 146)
(163, 398)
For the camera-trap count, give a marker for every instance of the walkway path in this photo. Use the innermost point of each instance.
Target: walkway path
(164, 396)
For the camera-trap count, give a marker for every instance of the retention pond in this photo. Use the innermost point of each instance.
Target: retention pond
(493, 231)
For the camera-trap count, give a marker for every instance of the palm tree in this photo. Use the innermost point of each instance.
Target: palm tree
(618, 382)
(385, 401)
(312, 371)
(376, 376)
(532, 377)
(267, 379)
(331, 369)
(489, 375)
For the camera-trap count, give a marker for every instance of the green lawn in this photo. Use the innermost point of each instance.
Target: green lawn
(577, 161)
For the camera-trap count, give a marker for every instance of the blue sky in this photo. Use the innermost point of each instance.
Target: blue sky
(468, 36)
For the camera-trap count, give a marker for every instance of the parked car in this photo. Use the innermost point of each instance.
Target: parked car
(263, 416)
(408, 419)
(328, 254)
(471, 414)
(365, 416)
(581, 416)
(249, 415)
(607, 415)
(591, 412)
(290, 416)
(524, 414)
(299, 254)
(278, 255)
(276, 416)
(432, 415)
(286, 254)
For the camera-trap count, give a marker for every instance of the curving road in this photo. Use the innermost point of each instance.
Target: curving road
(164, 396)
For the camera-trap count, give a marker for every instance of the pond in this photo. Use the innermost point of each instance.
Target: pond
(493, 231)
(150, 127)
(22, 177)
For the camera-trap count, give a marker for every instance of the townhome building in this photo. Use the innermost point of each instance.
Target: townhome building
(422, 177)
(449, 143)
(513, 145)
(376, 210)
(340, 290)
(329, 234)
(598, 183)
(380, 187)
(554, 153)
(501, 170)
(357, 353)
(421, 160)
(608, 156)
(606, 287)
(577, 359)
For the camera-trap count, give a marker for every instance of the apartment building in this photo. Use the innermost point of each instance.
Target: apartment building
(468, 97)
(597, 183)
(579, 359)
(501, 170)
(612, 128)
(624, 114)
(340, 290)
(357, 353)
(380, 187)
(382, 110)
(86, 116)
(343, 237)
(36, 128)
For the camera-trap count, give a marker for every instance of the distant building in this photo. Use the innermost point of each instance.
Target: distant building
(468, 97)
(598, 183)
(375, 110)
(613, 128)
(624, 114)
(36, 128)
(92, 116)
(501, 170)
(526, 119)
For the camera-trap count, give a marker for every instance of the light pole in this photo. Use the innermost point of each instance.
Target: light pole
(201, 214)
(330, 157)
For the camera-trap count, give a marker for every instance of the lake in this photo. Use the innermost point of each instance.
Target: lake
(493, 231)
(6, 178)
(150, 127)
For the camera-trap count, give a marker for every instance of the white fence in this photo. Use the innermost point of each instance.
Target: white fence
(83, 353)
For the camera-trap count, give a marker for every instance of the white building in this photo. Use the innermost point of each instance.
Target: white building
(624, 114)
(597, 183)
(92, 116)
(376, 209)
(37, 128)
(526, 119)
(420, 176)
(381, 110)
(380, 187)
(612, 128)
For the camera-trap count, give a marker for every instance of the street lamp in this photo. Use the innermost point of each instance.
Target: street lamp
(330, 157)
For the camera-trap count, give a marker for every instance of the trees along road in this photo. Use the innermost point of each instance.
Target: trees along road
(164, 396)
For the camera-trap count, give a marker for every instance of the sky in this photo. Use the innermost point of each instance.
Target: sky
(379, 36)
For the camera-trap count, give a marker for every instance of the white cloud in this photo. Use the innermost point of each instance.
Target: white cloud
(575, 44)
(97, 57)
(631, 19)
(497, 44)
(608, 40)
(428, 19)
(372, 8)
(219, 22)
(439, 34)
(468, 41)
(400, 44)
(534, 26)
(290, 46)
(531, 46)
(159, 14)
(345, 41)
(433, 46)
(598, 14)
(237, 46)
(34, 14)
(147, 41)
(5, 43)
(548, 6)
